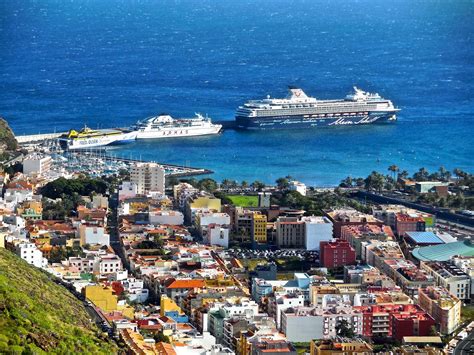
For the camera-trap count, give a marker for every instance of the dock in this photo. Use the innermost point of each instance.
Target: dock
(22, 139)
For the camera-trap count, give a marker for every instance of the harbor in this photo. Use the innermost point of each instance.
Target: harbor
(98, 161)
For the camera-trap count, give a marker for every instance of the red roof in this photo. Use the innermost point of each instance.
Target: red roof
(186, 284)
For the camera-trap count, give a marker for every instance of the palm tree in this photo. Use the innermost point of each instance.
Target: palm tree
(394, 169)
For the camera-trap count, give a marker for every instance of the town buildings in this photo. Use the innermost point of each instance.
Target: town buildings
(148, 177)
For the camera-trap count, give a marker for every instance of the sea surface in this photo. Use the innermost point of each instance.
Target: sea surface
(109, 63)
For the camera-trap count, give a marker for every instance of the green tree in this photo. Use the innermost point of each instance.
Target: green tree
(207, 184)
(343, 329)
(421, 175)
(394, 170)
(375, 181)
(282, 183)
(258, 185)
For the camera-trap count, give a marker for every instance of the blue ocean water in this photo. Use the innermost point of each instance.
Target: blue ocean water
(109, 63)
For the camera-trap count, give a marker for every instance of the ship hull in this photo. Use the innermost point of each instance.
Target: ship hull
(303, 121)
(97, 142)
(178, 132)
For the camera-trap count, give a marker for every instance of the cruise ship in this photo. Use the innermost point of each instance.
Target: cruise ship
(165, 126)
(298, 110)
(92, 138)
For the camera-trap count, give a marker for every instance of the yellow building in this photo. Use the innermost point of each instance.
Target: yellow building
(168, 305)
(104, 298)
(444, 307)
(259, 223)
(330, 347)
(209, 202)
(202, 202)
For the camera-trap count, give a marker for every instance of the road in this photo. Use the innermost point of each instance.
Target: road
(113, 231)
(447, 216)
(465, 346)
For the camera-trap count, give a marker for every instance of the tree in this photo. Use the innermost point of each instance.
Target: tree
(244, 184)
(225, 184)
(347, 182)
(343, 329)
(394, 169)
(421, 175)
(403, 174)
(257, 185)
(283, 183)
(207, 184)
(444, 174)
(375, 181)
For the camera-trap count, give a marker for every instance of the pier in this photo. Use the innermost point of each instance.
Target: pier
(38, 137)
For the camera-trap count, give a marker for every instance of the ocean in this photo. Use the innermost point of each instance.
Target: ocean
(109, 63)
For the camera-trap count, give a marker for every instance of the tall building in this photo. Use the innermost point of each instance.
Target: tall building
(36, 164)
(148, 177)
(259, 228)
(444, 307)
(264, 199)
(317, 230)
(290, 232)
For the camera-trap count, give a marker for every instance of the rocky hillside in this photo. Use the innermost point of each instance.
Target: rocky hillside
(7, 138)
(38, 316)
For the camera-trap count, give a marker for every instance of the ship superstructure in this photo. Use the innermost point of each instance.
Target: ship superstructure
(298, 110)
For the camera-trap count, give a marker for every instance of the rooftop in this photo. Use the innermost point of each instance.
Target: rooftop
(444, 252)
(424, 238)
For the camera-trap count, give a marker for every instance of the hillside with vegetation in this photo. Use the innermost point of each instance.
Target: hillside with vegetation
(8, 143)
(38, 316)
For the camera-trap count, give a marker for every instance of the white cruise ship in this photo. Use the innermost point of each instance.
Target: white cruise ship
(164, 126)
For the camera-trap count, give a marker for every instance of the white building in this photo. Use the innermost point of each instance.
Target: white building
(31, 254)
(298, 186)
(303, 324)
(15, 196)
(205, 218)
(264, 199)
(216, 234)
(92, 234)
(36, 164)
(175, 218)
(127, 189)
(109, 264)
(282, 303)
(317, 229)
(466, 264)
(148, 177)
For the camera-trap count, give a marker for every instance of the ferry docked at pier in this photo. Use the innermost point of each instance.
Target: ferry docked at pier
(165, 126)
(92, 138)
(298, 110)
